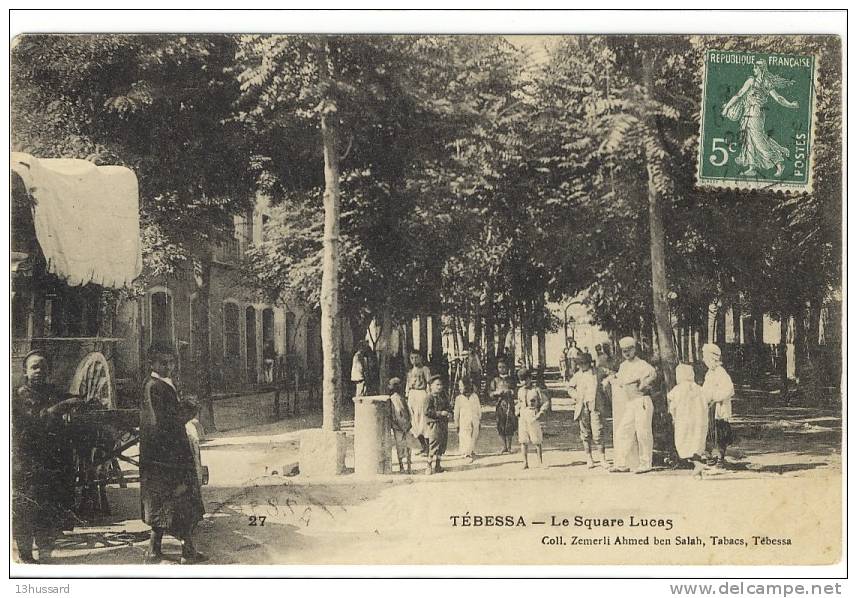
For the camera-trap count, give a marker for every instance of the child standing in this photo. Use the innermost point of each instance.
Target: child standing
(718, 391)
(532, 405)
(689, 411)
(400, 422)
(417, 393)
(587, 389)
(170, 494)
(42, 461)
(502, 389)
(467, 415)
(437, 424)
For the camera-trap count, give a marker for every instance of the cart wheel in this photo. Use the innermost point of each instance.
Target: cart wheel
(93, 381)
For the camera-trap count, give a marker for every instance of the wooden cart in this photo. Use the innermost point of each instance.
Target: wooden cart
(90, 332)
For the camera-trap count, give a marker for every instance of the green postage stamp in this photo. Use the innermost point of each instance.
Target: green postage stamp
(757, 121)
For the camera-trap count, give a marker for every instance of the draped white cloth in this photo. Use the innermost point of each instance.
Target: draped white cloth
(86, 218)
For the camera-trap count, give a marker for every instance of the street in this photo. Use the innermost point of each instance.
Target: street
(782, 488)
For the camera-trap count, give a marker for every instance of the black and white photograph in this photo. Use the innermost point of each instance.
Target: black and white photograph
(433, 298)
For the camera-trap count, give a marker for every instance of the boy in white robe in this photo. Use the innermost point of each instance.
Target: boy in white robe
(689, 411)
(467, 415)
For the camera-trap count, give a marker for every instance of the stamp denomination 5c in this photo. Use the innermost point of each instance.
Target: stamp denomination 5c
(757, 121)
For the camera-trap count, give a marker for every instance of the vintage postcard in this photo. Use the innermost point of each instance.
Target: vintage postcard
(425, 299)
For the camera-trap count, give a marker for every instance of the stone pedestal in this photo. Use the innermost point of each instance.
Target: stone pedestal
(372, 441)
(322, 453)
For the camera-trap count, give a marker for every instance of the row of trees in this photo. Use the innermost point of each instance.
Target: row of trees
(446, 175)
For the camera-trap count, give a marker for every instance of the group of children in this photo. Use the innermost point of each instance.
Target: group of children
(421, 411)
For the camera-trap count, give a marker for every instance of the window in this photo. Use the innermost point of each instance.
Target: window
(231, 329)
(161, 318)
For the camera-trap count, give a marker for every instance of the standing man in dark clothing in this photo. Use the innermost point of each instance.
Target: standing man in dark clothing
(42, 461)
(170, 493)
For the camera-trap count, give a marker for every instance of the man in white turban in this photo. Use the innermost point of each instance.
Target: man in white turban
(717, 390)
(635, 379)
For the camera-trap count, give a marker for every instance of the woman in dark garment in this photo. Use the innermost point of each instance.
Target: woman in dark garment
(42, 461)
(170, 494)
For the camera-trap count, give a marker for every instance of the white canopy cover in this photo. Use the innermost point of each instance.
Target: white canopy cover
(86, 218)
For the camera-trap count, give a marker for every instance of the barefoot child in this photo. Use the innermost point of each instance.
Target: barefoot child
(467, 415)
(502, 389)
(531, 407)
(689, 411)
(400, 422)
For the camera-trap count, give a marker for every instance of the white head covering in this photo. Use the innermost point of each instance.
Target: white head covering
(684, 373)
(711, 349)
(627, 342)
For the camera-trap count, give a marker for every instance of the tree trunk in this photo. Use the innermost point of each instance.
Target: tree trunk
(737, 346)
(503, 333)
(720, 327)
(783, 359)
(490, 346)
(202, 278)
(477, 327)
(408, 339)
(423, 336)
(436, 339)
(660, 286)
(525, 337)
(543, 349)
(330, 333)
(385, 349)
(813, 332)
(758, 349)
(800, 342)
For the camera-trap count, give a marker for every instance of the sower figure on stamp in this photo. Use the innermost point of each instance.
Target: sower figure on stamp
(758, 149)
(587, 389)
(42, 461)
(635, 377)
(170, 495)
(437, 423)
(503, 389)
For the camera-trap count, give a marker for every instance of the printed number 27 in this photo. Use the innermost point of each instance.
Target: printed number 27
(720, 151)
(257, 521)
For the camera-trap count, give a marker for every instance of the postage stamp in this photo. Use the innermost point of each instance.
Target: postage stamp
(757, 121)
